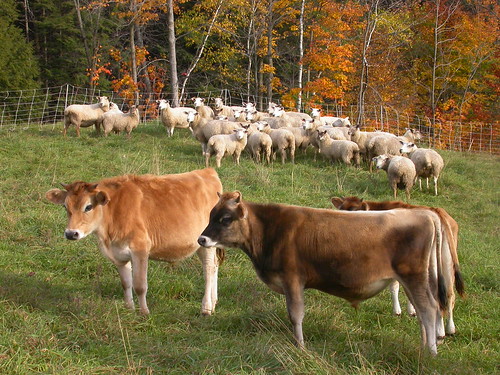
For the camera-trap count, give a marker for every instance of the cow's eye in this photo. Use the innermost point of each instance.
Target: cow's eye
(88, 208)
(225, 220)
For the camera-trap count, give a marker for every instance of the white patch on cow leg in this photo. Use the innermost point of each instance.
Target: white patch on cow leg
(208, 257)
(450, 324)
(140, 281)
(394, 288)
(125, 272)
(410, 309)
(439, 328)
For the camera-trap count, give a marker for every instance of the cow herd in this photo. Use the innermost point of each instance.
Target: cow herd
(353, 252)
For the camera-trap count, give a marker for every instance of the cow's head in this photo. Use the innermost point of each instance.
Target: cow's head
(83, 203)
(228, 224)
(350, 204)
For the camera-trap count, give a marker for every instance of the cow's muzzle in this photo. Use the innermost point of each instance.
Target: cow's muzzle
(206, 241)
(72, 234)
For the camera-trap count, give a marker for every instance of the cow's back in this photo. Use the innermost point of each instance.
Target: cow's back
(171, 209)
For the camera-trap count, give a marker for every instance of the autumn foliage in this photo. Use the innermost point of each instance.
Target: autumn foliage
(437, 60)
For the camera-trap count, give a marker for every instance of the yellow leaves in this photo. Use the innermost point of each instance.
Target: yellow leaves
(266, 68)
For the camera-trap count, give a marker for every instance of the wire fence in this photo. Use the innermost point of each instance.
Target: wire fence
(24, 109)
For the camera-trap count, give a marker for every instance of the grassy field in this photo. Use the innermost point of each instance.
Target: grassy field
(61, 309)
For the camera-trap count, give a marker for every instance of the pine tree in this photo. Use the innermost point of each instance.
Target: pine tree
(18, 66)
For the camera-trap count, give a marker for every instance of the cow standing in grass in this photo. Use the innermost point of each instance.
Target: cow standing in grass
(136, 218)
(353, 255)
(450, 243)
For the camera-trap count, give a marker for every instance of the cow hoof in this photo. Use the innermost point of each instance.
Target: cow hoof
(144, 312)
(440, 340)
(206, 312)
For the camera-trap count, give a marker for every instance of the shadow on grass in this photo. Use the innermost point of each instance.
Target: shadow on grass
(29, 290)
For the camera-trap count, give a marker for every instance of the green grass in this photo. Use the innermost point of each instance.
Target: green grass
(61, 309)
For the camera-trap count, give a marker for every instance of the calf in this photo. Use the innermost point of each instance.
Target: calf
(140, 217)
(353, 255)
(450, 243)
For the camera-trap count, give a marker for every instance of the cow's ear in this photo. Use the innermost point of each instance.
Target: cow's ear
(242, 211)
(102, 198)
(365, 207)
(56, 196)
(337, 202)
(238, 197)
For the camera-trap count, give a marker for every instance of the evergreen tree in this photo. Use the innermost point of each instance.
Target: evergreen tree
(18, 66)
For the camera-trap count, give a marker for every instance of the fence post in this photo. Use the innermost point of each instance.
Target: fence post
(66, 98)
(17, 109)
(31, 107)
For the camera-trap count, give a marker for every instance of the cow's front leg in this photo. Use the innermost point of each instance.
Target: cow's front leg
(208, 257)
(294, 294)
(394, 288)
(125, 271)
(140, 280)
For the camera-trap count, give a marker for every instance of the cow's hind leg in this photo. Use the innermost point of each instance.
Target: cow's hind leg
(427, 308)
(208, 257)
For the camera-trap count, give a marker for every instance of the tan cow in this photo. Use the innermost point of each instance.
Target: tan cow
(353, 255)
(450, 234)
(140, 217)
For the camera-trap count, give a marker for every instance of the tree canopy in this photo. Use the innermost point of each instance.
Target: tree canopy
(438, 58)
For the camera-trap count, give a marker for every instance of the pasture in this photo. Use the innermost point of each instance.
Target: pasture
(61, 305)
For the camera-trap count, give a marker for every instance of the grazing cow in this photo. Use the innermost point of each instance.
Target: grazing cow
(450, 235)
(353, 255)
(147, 216)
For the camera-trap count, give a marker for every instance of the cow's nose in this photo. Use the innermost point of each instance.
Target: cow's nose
(71, 234)
(202, 240)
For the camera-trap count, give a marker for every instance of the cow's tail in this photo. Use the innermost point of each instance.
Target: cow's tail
(441, 282)
(459, 281)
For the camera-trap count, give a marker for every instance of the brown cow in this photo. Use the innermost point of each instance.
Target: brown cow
(353, 255)
(450, 234)
(140, 217)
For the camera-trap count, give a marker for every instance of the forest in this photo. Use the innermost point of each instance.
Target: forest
(435, 58)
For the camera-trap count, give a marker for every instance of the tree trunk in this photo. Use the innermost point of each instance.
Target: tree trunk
(143, 69)
(133, 57)
(250, 51)
(174, 82)
(88, 53)
(301, 53)
(270, 76)
(371, 24)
